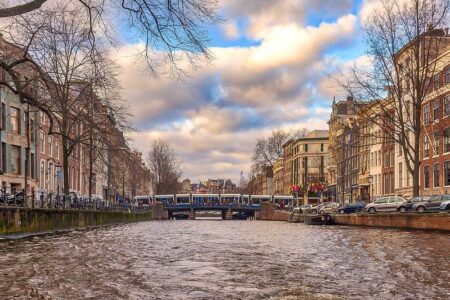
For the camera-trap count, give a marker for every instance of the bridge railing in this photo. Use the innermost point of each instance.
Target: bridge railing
(19, 198)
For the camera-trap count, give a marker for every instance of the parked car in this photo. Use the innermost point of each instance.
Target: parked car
(445, 205)
(408, 204)
(329, 208)
(315, 209)
(352, 207)
(434, 203)
(303, 208)
(388, 203)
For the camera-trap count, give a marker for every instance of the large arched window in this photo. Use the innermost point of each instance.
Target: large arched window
(42, 175)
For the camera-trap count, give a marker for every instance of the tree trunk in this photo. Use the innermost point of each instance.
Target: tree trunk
(416, 183)
(27, 155)
(65, 165)
(91, 163)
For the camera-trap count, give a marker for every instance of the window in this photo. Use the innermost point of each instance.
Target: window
(3, 168)
(3, 116)
(447, 105)
(447, 75)
(391, 164)
(426, 85)
(32, 165)
(436, 143)
(57, 149)
(436, 175)
(15, 159)
(306, 147)
(50, 146)
(446, 140)
(386, 159)
(400, 175)
(426, 147)
(447, 173)
(42, 142)
(42, 118)
(426, 176)
(400, 150)
(436, 81)
(408, 177)
(321, 147)
(26, 124)
(15, 119)
(436, 108)
(426, 114)
(386, 183)
(382, 200)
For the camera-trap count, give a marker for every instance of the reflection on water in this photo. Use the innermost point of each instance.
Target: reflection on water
(227, 260)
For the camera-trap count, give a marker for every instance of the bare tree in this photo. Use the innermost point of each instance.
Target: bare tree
(165, 168)
(268, 150)
(72, 76)
(171, 30)
(404, 40)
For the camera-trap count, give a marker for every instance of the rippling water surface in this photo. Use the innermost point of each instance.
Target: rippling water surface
(227, 260)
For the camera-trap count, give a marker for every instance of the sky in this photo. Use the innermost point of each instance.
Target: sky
(275, 65)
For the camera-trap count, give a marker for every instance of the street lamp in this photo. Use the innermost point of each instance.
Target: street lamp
(370, 180)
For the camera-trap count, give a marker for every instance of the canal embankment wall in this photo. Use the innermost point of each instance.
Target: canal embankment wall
(37, 220)
(427, 221)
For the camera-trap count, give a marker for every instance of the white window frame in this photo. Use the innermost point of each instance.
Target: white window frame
(50, 146)
(43, 119)
(426, 112)
(42, 141)
(434, 174)
(443, 173)
(423, 171)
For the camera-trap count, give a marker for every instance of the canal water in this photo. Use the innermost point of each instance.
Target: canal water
(227, 260)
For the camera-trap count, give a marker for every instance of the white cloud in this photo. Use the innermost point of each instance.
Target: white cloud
(214, 118)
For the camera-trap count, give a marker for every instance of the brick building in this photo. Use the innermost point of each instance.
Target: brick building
(435, 134)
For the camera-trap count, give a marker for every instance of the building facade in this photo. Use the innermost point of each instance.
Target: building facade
(344, 134)
(310, 158)
(435, 134)
(278, 177)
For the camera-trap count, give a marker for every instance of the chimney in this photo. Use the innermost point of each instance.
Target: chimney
(446, 31)
(349, 98)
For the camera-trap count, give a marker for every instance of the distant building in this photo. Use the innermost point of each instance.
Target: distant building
(287, 167)
(344, 139)
(309, 158)
(262, 184)
(186, 187)
(278, 177)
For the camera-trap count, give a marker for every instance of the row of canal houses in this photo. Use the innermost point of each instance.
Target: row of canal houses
(114, 175)
(356, 159)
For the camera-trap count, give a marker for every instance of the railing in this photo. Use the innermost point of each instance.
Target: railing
(43, 200)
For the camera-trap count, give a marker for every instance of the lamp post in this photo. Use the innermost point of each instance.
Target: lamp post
(370, 180)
